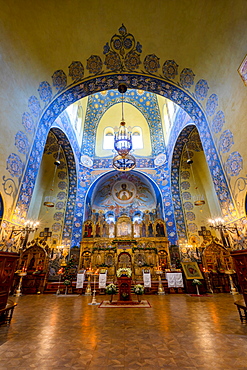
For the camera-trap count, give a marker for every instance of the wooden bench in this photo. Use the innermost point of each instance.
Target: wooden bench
(242, 310)
(7, 313)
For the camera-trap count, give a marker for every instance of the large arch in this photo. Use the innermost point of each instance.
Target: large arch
(139, 81)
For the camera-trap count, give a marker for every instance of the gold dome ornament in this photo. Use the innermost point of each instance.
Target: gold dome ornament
(124, 163)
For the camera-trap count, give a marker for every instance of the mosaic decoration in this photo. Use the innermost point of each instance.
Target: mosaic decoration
(123, 53)
(212, 104)
(34, 106)
(58, 216)
(59, 80)
(226, 141)
(234, 164)
(190, 216)
(151, 63)
(187, 78)
(14, 165)
(21, 142)
(98, 104)
(94, 64)
(170, 69)
(45, 91)
(28, 122)
(218, 122)
(201, 89)
(76, 71)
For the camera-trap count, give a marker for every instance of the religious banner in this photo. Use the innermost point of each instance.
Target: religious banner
(146, 279)
(80, 281)
(102, 280)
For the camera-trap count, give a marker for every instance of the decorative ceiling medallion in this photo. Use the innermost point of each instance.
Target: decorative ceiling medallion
(86, 161)
(160, 160)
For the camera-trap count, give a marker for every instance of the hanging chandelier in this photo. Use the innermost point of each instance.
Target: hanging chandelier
(123, 161)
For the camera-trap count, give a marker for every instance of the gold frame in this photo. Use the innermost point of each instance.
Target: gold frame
(191, 270)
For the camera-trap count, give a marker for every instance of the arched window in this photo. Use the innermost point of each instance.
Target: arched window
(108, 141)
(137, 140)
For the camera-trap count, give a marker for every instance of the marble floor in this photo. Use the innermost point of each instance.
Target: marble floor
(177, 332)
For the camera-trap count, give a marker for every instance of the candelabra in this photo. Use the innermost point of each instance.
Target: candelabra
(218, 224)
(94, 302)
(88, 289)
(21, 273)
(28, 228)
(160, 288)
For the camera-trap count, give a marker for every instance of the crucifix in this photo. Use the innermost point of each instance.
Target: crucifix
(45, 234)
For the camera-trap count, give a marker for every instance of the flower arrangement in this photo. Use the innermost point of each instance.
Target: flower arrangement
(67, 282)
(124, 271)
(138, 289)
(196, 282)
(111, 289)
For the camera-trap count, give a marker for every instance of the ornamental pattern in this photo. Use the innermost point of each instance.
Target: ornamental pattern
(192, 228)
(188, 206)
(187, 78)
(185, 175)
(201, 89)
(62, 185)
(58, 216)
(212, 104)
(61, 195)
(14, 165)
(34, 106)
(59, 80)
(62, 175)
(170, 69)
(186, 195)
(76, 71)
(28, 122)
(185, 185)
(190, 216)
(123, 53)
(94, 64)
(218, 122)
(226, 141)
(234, 164)
(151, 63)
(21, 142)
(45, 91)
(56, 227)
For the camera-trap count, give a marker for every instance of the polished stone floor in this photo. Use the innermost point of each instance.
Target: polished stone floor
(177, 332)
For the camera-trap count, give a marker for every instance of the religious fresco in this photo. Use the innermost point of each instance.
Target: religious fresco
(123, 193)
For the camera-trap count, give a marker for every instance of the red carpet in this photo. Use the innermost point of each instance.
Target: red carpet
(135, 304)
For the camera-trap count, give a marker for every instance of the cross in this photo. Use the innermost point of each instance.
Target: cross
(45, 234)
(204, 232)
